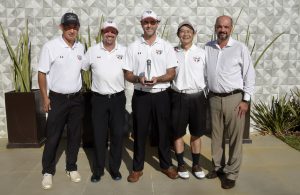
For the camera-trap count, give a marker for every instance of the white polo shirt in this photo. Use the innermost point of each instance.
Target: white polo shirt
(107, 72)
(62, 65)
(190, 71)
(162, 56)
(229, 68)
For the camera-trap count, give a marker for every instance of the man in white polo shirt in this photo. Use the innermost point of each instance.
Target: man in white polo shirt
(150, 65)
(188, 99)
(59, 69)
(108, 101)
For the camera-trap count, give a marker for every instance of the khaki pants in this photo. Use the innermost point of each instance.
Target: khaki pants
(225, 121)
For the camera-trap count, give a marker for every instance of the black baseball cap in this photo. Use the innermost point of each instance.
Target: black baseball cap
(69, 18)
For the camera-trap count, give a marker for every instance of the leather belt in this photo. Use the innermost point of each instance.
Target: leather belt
(68, 95)
(108, 95)
(226, 94)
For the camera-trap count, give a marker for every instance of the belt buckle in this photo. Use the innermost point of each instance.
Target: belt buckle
(109, 96)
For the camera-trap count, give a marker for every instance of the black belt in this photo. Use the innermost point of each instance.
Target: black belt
(68, 95)
(226, 94)
(108, 95)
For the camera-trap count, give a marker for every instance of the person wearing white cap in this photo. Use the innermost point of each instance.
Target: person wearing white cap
(188, 99)
(150, 65)
(108, 100)
(59, 70)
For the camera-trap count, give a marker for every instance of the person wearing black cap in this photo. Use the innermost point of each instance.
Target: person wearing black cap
(108, 101)
(59, 70)
(188, 99)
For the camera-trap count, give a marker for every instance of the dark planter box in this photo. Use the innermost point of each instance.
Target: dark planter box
(25, 118)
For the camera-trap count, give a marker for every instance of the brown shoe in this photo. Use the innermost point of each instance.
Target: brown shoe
(170, 172)
(214, 174)
(134, 176)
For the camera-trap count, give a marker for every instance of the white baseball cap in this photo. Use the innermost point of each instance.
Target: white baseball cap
(109, 24)
(149, 14)
(186, 23)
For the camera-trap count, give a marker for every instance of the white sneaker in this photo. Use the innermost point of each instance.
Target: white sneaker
(47, 181)
(74, 176)
(197, 172)
(183, 172)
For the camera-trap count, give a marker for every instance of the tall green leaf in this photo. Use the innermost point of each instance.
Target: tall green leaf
(21, 58)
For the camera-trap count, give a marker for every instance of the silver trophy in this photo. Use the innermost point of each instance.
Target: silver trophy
(148, 79)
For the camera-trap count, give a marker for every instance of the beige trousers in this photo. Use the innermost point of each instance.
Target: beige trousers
(227, 123)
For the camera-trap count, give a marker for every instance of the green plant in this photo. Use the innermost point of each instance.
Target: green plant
(87, 75)
(165, 31)
(21, 58)
(295, 107)
(247, 41)
(276, 118)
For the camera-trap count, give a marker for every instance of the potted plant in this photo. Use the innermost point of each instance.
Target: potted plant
(25, 119)
(87, 128)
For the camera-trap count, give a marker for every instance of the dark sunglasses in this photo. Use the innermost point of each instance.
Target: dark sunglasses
(152, 22)
(113, 31)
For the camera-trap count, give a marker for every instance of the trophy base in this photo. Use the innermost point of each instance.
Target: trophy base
(148, 82)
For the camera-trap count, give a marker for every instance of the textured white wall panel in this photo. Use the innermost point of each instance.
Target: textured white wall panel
(277, 73)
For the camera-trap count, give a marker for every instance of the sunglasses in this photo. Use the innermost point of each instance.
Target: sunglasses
(113, 31)
(146, 22)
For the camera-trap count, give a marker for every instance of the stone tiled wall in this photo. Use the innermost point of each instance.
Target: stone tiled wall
(277, 73)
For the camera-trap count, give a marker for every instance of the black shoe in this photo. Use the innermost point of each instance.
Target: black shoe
(228, 183)
(95, 178)
(214, 174)
(116, 176)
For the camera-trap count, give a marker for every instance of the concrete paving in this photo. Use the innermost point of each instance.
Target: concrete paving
(269, 167)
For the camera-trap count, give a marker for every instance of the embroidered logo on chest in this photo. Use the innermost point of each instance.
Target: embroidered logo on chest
(79, 57)
(98, 57)
(177, 49)
(120, 57)
(196, 59)
(159, 52)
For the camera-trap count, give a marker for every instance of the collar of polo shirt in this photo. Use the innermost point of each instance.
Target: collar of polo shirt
(157, 40)
(180, 49)
(102, 46)
(64, 44)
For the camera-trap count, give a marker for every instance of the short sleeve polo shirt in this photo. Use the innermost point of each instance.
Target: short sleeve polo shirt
(62, 65)
(162, 56)
(190, 70)
(106, 66)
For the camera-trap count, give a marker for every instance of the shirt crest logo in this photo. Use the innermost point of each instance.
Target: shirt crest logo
(79, 57)
(98, 57)
(120, 57)
(177, 49)
(196, 59)
(159, 52)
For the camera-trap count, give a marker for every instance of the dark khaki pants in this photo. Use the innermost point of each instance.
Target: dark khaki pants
(225, 120)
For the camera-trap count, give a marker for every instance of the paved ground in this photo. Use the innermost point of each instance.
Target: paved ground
(269, 167)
